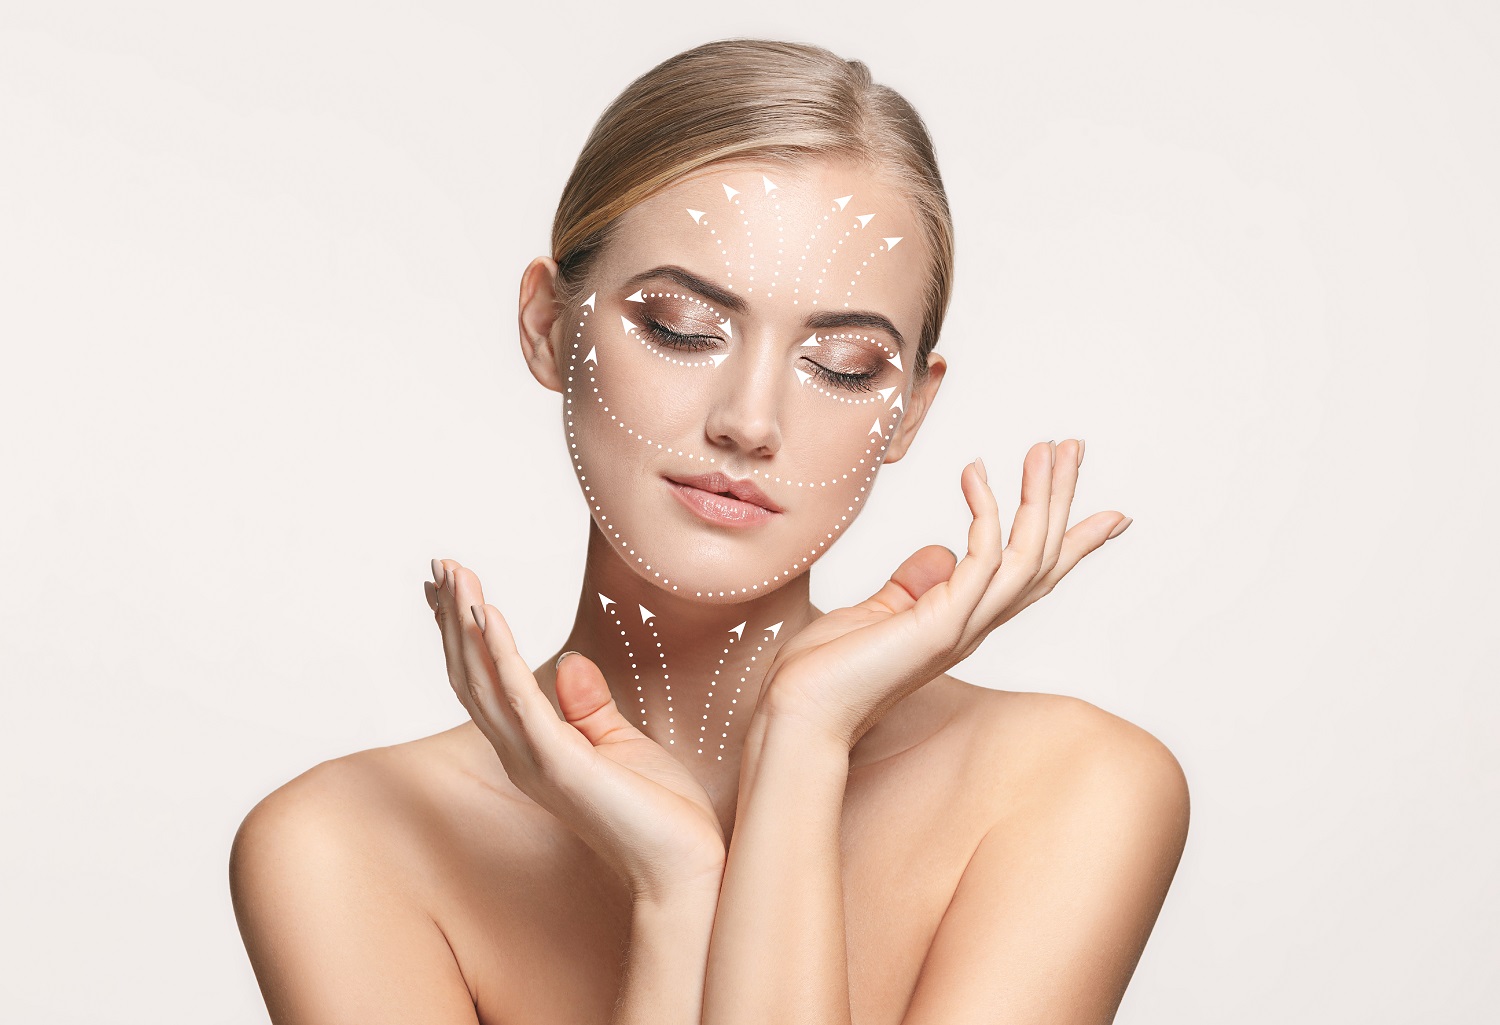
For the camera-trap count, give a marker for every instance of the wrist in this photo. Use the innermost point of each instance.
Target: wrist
(781, 714)
(683, 889)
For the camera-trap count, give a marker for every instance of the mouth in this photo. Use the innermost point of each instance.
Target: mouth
(723, 500)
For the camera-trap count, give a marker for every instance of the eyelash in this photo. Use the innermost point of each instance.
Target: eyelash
(670, 339)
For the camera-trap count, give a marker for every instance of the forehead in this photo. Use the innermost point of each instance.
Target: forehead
(791, 239)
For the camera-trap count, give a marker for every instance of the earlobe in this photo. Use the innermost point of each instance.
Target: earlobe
(538, 321)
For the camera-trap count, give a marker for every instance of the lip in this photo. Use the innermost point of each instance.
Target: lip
(708, 495)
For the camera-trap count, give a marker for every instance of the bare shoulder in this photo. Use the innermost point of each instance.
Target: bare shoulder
(1043, 751)
(320, 875)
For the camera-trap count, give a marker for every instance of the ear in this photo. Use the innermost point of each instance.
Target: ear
(922, 395)
(541, 323)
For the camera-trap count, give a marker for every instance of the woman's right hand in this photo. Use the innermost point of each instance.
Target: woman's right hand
(620, 791)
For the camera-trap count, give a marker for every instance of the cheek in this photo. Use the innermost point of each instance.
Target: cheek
(635, 403)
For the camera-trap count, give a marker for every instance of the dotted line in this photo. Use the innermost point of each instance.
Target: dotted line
(882, 248)
(578, 461)
(745, 220)
(630, 656)
(823, 273)
(808, 248)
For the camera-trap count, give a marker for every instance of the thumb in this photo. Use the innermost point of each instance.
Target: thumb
(923, 570)
(586, 703)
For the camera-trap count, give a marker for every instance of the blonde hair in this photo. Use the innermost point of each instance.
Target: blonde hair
(750, 98)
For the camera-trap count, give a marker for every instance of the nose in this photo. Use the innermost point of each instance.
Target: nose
(746, 402)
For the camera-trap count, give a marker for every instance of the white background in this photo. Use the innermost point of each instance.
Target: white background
(258, 274)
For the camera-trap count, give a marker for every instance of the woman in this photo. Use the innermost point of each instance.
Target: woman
(721, 804)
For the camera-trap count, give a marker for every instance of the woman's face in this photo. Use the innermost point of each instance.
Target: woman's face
(759, 325)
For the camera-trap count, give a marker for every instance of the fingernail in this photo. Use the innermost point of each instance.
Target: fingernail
(437, 572)
(1053, 457)
(564, 655)
(979, 465)
(478, 614)
(1080, 451)
(1119, 529)
(448, 579)
(431, 590)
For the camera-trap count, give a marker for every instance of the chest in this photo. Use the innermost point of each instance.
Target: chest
(539, 925)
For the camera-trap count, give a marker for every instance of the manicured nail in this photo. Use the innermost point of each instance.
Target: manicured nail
(1080, 451)
(979, 465)
(448, 580)
(431, 591)
(564, 655)
(478, 614)
(437, 572)
(1119, 528)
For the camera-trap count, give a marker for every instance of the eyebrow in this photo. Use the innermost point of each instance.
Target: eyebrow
(729, 301)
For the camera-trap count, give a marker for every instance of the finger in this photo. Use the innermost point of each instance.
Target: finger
(430, 590)
(970, 577)
(1022, 559)
(1064, 484)
(923, 569)
(450, 626)
(587, 704)
(1085, 537)
(504, 683)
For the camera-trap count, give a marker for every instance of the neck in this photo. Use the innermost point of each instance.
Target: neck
(671, 660)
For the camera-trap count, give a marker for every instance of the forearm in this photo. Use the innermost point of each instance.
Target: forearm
(778, 952)
(666, 961)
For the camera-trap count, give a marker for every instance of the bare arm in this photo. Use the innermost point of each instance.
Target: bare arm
(330, 939)
(666, 960)
(778, 952)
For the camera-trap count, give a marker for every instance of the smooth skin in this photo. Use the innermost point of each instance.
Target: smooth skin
(1037, 914)
(878, 843)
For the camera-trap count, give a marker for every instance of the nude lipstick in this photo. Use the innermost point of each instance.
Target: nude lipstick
(723, 500)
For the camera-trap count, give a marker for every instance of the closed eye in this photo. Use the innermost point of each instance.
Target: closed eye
(670, 339)
(849, 382)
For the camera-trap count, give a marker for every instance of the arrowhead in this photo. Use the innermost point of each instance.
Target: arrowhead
(885, 393)
(719, 358)
(738, 631)
(812, 339)
(637, 298)
(591, 357)
(896, 361)
(890, 243)
(864, 219)
(697, 215)
(844, 202)
(730, 193)
(646, 613)
(875, 429)
(607, 602)
(803, 375)
(769, 184)
(728, 328)
(626, 324)
(775, 628)
(589, 302)
(897, 403)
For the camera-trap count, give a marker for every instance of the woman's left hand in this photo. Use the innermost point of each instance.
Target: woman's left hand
(848, 668)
